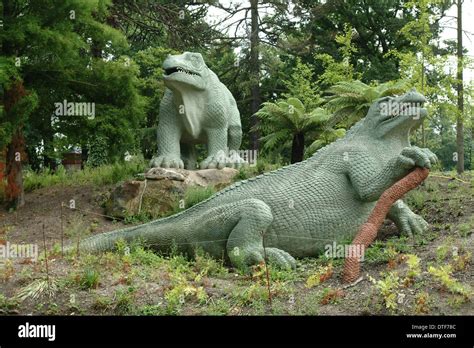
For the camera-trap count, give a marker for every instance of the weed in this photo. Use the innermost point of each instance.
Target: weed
(7, 304)
(38, 288)
(102, 303)
(89, 279)
(388, 288)
(329, 295)
(322, 274)
(77, 229)
(196, 194)
(142, 256)
(416, 199)
(443, 274)
(7, 270)
(207, 266)
(460, 261)
(414, 269)
(251, 295)
(443, 250)
(422, 303)
(124, 299)
(153, 310)
(465, 229)
(176, 297)
(220, 306)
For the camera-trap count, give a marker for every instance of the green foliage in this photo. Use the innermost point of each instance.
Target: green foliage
(90, 279)
(196, 194)
(416, 199)
(388, 288)
(103, 175)
(124, 300)
(98, 152)
(467, 228)
(7, 304)
(78, 58)
(283, 121)
(301, 86)
(414, 268)
(443, 274)
(350, 100)
(207, 266)
(335, 72)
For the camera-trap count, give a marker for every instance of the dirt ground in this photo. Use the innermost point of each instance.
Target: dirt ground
(427, 274)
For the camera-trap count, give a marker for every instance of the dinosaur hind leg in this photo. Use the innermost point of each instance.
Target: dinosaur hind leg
(245, 242)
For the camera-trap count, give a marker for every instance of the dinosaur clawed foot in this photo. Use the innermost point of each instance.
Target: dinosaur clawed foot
(167, 161)
(281, 258)
(221, 160)
(254, 256)
(410, 223)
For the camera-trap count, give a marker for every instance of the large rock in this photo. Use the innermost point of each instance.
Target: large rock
(162, 189)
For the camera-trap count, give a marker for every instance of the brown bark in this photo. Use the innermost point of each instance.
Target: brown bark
(15, 151)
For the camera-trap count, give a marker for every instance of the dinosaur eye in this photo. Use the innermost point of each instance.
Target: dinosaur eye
(384, 100)
(196, 61)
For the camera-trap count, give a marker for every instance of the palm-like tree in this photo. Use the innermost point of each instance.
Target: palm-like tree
(288, 121)
(350, 100)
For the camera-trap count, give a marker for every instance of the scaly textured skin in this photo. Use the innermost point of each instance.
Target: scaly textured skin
(302, 207)
(196, 108)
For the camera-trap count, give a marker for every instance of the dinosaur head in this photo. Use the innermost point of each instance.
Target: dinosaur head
(184, 71)
(396, 115)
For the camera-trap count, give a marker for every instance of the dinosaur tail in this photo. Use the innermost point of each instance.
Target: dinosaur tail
(159, 234)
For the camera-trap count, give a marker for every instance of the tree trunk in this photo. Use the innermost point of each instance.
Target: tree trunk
(14, 194)
(460, 90)
(297, 148)
(254, 74)
(15, 150)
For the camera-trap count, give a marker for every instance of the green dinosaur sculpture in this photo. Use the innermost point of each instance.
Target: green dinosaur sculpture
(298, 209)
(196, 108)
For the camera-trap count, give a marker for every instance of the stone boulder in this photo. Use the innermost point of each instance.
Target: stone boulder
(161, 189)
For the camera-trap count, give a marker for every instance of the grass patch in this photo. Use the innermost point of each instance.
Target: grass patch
(98, 176)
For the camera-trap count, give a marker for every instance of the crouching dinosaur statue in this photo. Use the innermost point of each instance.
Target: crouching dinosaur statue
(196, 109)
(297, 210)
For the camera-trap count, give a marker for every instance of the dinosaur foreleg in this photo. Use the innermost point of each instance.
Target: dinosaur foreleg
(407, 221)
(217, 149)
(168, 134)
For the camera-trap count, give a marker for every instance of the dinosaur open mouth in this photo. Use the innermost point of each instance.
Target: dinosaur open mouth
(179, 69)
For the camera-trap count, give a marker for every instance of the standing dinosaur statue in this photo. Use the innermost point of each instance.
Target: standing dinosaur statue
(196, 109)
(297, 210)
